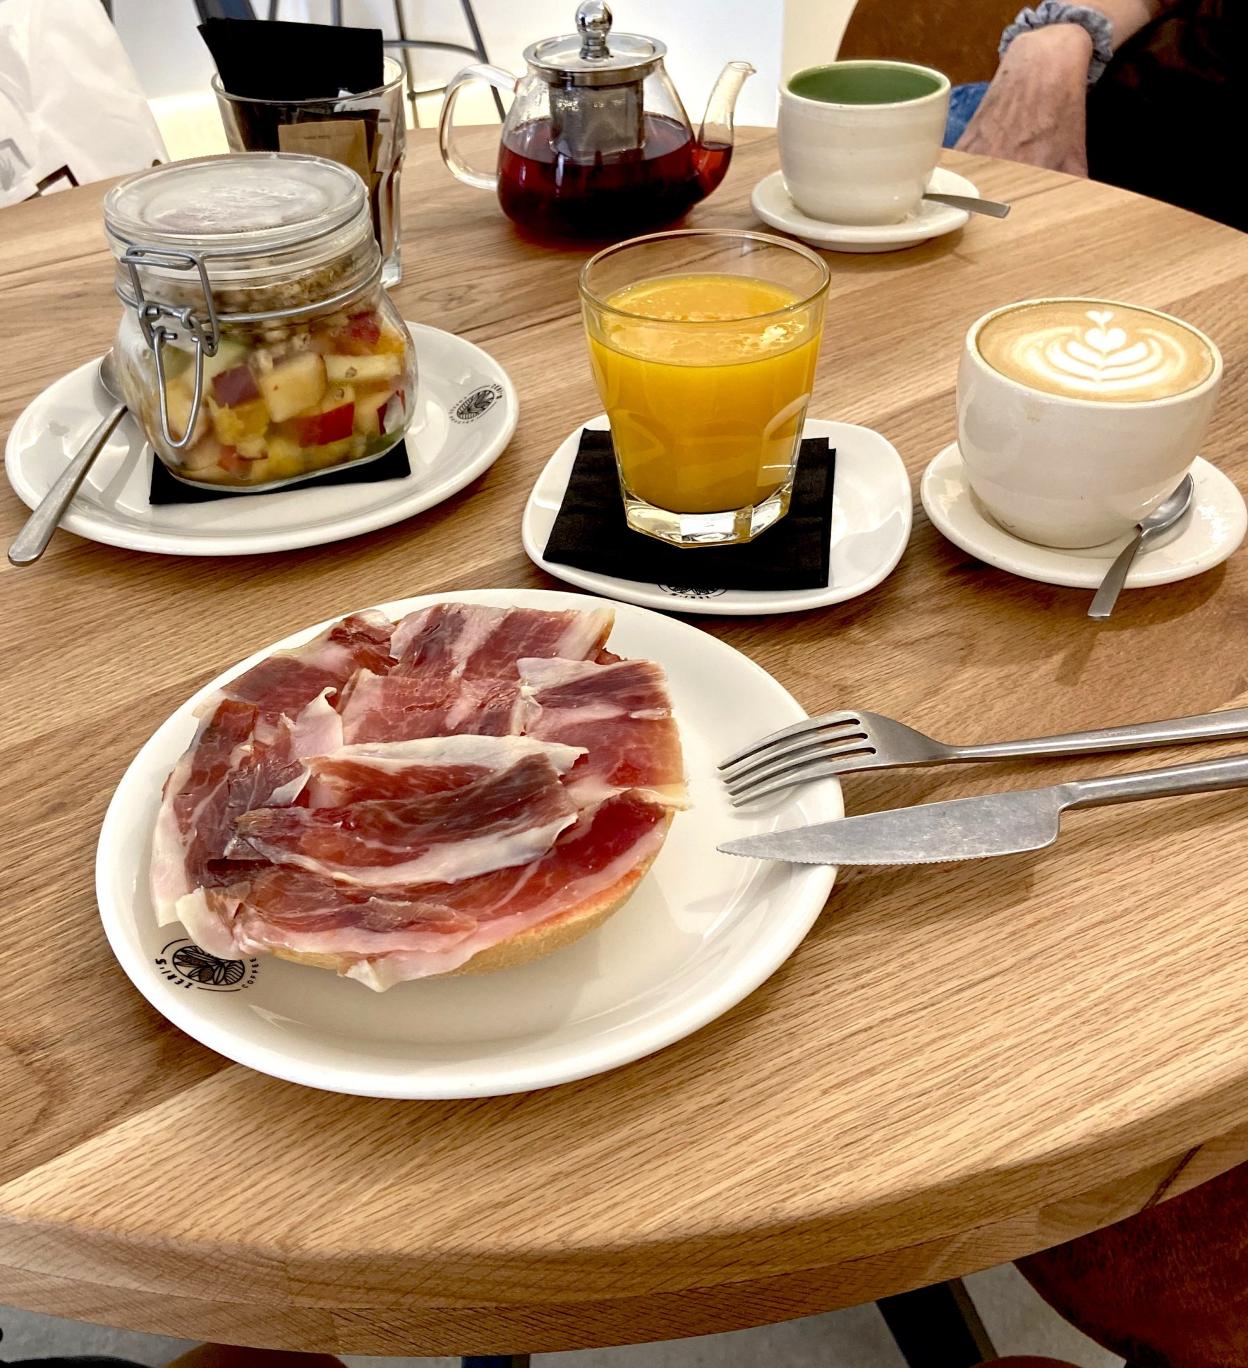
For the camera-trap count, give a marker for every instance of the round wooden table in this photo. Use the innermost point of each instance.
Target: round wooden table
(960, 1064)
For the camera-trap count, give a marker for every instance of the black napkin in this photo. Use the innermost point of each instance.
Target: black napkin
(290, 61)
(590, 531)
(394, 465)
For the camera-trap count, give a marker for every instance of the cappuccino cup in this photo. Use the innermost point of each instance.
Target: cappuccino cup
(859, 140)
(1077, 417)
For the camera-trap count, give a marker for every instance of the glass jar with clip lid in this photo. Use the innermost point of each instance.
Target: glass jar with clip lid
(257, 345)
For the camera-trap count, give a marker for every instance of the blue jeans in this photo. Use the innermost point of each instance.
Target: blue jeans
(963, 102)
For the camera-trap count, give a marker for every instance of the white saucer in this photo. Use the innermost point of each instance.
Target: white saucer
(701, 932)
(466, 411)
(772, 204)
(871, 518)
(1210, 532)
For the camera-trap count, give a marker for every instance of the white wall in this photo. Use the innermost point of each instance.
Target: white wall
(777, 36)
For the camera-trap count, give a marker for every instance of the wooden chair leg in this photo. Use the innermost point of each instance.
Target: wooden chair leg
(937, 1327)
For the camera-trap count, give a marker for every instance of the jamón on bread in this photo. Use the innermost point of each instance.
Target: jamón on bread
(462, 791)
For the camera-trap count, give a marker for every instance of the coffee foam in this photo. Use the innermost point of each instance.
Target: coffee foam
(1085, 349)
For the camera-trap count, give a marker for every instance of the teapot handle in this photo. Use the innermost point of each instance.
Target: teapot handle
(478, 71)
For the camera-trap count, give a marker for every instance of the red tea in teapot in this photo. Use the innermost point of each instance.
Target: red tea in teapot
(553, 195)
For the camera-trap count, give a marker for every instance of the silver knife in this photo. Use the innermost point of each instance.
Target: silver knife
(975, 828)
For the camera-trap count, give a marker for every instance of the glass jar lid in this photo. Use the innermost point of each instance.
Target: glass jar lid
(251, 216)
(594, 56)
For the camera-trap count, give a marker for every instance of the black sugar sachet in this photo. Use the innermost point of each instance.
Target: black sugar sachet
(291, 61)
(591, 534)
(394, 465)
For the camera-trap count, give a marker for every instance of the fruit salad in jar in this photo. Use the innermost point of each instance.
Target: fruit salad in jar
(283, 402)
(271, 255)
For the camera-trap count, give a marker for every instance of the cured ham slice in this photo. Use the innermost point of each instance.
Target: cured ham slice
(472, 641)
(405, 769)
(247, 752)
(620, 714)
(285, 682)
(396, 707)
(224, 773)
(385, 935)
(509, 815)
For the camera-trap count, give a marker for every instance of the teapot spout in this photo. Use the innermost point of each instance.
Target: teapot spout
(715, 135)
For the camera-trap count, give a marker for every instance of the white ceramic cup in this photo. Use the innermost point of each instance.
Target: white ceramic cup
(1070, 472)
(860, 163)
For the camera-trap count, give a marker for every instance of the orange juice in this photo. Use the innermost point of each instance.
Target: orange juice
(705, 379)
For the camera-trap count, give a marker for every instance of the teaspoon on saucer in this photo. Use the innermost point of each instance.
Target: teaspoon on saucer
(1166, 515)
(973, 204)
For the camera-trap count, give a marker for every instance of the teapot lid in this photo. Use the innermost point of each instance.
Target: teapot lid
(594, 56)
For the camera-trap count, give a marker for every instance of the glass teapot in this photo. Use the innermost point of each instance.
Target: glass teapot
(597, 143)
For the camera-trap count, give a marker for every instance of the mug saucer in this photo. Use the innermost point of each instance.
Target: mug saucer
(1211, 531)
(771, 202)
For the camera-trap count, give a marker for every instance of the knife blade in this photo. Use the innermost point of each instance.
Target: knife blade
(928, 833)
(975, 828)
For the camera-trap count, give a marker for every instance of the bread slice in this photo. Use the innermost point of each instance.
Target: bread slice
(531, 944)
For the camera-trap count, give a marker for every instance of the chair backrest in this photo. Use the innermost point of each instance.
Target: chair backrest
(224, 9)
(958, 37)
(1167, 1285)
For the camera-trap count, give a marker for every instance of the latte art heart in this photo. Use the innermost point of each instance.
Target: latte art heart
(1111, 353)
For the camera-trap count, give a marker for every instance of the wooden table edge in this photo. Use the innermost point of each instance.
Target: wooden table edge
(34, 1277)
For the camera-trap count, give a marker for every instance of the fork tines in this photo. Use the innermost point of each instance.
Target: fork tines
(807, 750)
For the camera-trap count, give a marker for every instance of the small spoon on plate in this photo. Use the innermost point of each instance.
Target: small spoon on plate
(32, 541)
(1165, 515)
(973, 204)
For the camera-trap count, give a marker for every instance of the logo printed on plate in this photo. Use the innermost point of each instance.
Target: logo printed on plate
(683, 591)
(186, 965)
(473, 406)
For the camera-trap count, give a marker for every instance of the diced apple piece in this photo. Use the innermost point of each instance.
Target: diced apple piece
(370, 411)
(230, 354)
(206, 452)
(293, 386)
(364, 370)
(317, 429)
(179, 397)
(235, 387)
(368, 419)
(235, 425)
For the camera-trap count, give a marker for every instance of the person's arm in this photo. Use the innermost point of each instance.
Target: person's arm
(1034, 110)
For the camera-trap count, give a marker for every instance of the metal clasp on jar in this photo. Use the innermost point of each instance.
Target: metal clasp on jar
(202, 328)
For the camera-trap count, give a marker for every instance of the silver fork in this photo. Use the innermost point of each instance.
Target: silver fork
(843, 742)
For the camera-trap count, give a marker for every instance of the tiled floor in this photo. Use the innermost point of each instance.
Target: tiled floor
(1017, 1320)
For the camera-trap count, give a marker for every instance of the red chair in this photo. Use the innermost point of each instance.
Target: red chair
(1167, 1288)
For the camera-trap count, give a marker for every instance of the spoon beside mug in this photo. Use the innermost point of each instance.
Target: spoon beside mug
(1164, 516)
(973, 204)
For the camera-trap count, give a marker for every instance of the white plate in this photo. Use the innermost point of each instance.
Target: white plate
(1210, 532)
(702, 931)
(466, 411)
(772, 204)
(871, 517)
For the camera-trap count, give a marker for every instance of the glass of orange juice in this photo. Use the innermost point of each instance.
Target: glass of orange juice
(703, 346)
